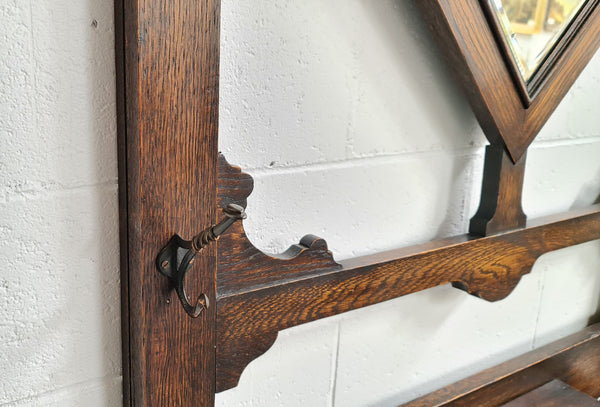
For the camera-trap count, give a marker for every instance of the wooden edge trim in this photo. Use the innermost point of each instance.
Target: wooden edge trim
(240, 264)
(554, 393)
(469, 45)
(573, 58)
(464, 36)
(168, 125)
(489, 267)
(571, 31)
(120, 70)
(509, 58)
(530, 370)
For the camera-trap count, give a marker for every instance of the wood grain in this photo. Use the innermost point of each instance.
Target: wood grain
(577, 27)
(120, 69)
(250, 317)
(500, 208)
(575, 360)
(469, 45)
(240, 264)
(170, 93)
(234, 186)
(168, 66)
(554, 394)
(491, 11)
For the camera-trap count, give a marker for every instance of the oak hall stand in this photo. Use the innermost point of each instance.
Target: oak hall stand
(186, 338)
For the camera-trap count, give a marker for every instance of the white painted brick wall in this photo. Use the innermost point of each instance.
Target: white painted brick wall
(353, 130)
(60, 340)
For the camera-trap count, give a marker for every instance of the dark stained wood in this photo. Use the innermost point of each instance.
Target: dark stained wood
(123, 214)
(463, 33)
(490, 267)
(168, 65)
(528, 90)
(500, 207)
(171, 73)
(575, 360)
(554, 394)
(490, 10)
(234, 186)
(578, 52)
(240, 264)
(549, 64)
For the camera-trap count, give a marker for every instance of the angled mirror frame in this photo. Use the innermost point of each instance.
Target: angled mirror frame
(510, 111)
(528, 87)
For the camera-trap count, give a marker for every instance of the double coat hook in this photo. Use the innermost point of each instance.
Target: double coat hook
(176, 258)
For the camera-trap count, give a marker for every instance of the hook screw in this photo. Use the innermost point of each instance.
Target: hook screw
(176, 258)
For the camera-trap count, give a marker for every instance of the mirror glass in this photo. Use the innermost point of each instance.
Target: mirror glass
(533, 27)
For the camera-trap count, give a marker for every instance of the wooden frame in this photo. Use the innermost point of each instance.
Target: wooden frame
(168, 70)
(574, 360)
(172, 181)
(508, 117)
(529, 89)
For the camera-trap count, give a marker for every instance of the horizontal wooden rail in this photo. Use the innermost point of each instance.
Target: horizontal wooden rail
(490, 267)
(574, 360)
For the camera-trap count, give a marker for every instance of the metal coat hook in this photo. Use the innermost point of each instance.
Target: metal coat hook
(176, 258)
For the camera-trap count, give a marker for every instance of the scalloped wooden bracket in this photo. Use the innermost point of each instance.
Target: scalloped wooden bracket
(260, 295)
(240, 265)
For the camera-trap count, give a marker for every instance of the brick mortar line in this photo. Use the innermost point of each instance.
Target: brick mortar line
(11, 196)
(86, 384)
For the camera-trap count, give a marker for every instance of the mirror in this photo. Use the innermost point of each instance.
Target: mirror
(532, 28)
(510, 109)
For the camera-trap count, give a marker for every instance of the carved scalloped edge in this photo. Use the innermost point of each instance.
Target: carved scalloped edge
(233, 185)
(228, 374)
(250, 344)
(484, 292)
(240, 265)
(505, 281)
(257, 338)
(489, 268)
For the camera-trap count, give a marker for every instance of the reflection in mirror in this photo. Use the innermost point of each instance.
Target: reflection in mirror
(533, 27)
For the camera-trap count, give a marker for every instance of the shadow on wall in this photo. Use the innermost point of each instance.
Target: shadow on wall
(410, 54)
(98, 251)
(586, 194)
(73, 52)
(595, 318)
(582, 200)
(402, 101)
(59, 289)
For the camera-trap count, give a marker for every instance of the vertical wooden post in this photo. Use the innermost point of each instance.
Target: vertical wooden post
(168, 69)
(500, 206)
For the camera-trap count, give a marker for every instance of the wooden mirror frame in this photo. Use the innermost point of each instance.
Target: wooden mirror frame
(172, 181)
(529, 89)
(474, 48)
